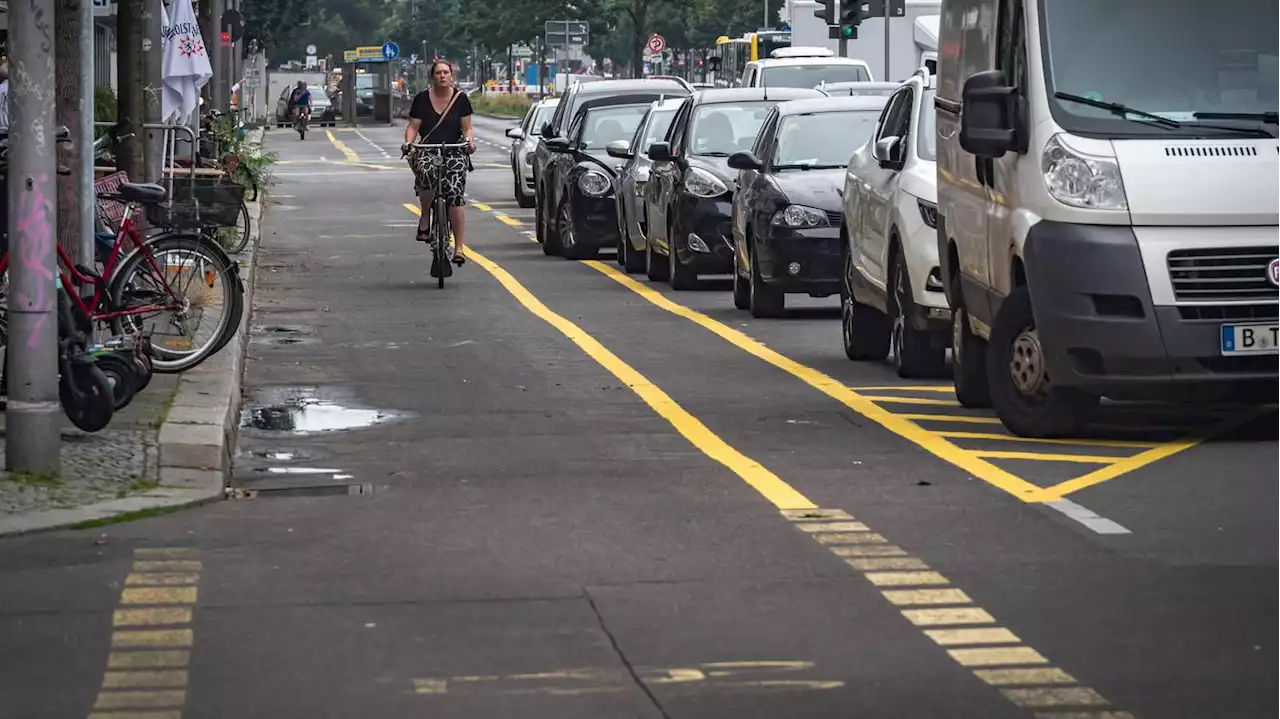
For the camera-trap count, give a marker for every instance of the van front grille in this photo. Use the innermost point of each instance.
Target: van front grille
(1222, 274)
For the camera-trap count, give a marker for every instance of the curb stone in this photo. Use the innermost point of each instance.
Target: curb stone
(196, 439)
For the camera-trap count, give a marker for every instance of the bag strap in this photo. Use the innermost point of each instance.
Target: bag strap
(443, 114)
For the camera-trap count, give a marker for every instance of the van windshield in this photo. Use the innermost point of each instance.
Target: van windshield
(1179, 59)
(812, 75)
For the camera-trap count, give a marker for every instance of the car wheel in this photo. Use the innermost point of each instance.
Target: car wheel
(655, 267)
(571, 246)
(865, 332)
(763, 300)
(682, 276)
(1023, 394)
(916, 353)
(741, 287)
(550, 240)
(968, 358)
(523, 201)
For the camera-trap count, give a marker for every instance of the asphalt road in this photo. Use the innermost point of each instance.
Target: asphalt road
(582, 495)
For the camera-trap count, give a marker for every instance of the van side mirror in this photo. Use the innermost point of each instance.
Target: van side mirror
(744, 161)
(660, 152)
(620, 149)
(888, 153)
(986, 115)
(515, 133)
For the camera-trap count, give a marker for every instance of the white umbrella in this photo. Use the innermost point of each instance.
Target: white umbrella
(186, 66)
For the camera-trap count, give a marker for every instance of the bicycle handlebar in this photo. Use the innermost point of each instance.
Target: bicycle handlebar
(440, 145)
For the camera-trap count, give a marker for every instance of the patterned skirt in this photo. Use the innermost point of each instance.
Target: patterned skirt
(453, 181)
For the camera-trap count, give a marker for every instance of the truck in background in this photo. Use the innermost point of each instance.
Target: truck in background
(913, 39)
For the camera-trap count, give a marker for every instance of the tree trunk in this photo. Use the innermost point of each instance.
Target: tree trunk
(639, 16)
(70, 114)
(130, 80)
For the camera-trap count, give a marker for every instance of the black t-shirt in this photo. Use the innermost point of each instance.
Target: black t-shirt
(450, 129)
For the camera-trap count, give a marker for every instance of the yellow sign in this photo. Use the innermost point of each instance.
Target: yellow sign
(348, 55)
(369, 52)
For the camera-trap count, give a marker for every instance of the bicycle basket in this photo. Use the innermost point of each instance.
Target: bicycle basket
(199, 203)
(110, 212)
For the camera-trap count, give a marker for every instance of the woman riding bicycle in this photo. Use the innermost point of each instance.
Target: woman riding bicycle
(445, 112)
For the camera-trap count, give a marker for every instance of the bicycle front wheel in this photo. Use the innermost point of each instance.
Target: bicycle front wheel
(235, 237)
(183, 295)
(444, 239)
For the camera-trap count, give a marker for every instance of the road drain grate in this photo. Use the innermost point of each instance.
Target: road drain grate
(314, 490)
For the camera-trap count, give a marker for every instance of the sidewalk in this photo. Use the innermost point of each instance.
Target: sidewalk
(169, 448)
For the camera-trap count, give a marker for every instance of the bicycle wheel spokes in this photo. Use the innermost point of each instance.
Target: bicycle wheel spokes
(181, 294)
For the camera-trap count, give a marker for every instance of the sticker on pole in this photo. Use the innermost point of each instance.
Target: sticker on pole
(656, 44)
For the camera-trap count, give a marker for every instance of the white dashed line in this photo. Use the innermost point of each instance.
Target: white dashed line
(377, 148)
(1087, 517)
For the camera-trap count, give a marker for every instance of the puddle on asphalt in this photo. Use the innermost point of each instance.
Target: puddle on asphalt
(303, 410)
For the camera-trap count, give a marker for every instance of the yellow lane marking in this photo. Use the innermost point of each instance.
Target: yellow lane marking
(1042, 697)
(772, 487)
(940, 388)
(481, 206)
(969, 419)
(145, 679)
(836, 530)
(151, 616)
(1121, 444)
(1013, 677)
(509, 221)
(914, 400)
(147, 676)
(1086, 715)
(341, 147)
(952, 616)
(871, 564)
(1048, 457)
(895, 423)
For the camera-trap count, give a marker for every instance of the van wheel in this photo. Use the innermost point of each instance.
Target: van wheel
(916, 353)
(968, 360)
(865, 331)
(1024, 397)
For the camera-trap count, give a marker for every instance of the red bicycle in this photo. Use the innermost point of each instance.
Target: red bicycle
(162, 286)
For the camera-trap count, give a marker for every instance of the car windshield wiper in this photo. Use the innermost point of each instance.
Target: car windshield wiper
(1266, 118)
(1122, 110)
(807, 166)
(715, 153)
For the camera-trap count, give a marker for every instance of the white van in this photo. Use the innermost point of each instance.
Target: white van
(803, 67)
(1107, 203)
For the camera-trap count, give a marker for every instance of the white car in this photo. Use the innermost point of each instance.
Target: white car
(524, 140)
(893, 297)
(803, 67)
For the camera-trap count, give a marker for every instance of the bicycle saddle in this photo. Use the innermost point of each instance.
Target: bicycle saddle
(142, 192)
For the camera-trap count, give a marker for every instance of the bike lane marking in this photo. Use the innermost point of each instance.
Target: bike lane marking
(342, 147)
(152, 636)
(907, 582)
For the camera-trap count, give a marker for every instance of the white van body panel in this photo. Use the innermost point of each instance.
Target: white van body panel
(1200, 182)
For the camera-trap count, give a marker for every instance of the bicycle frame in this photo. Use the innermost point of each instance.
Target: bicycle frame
(129, 230)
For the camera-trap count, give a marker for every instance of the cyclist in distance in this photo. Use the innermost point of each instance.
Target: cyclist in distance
(300, 99)
(441, 114)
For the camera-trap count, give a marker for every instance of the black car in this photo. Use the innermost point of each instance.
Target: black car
(787, 213)
(690, 189)
(544, 168)
(583, 191)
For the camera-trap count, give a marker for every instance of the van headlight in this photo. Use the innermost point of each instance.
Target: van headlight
(594, 183)
(1082, 180)
(700, 183)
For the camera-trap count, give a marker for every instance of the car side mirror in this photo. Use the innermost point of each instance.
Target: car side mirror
(888, 152)
(515, 133)
(986, 115)
(621, 149)
(557, 144)
(660, 152)
(744, 161)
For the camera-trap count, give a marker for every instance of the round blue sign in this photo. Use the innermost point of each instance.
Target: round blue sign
(390, 51)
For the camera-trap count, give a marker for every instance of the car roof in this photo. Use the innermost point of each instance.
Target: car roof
(669, 104)
(787, 61)
(749, 94)
(833, 104)
(615, 87)
(629, 98)
(860, 85)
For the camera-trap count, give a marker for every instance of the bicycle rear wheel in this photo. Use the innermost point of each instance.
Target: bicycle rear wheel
(235, 238)
(199, 283)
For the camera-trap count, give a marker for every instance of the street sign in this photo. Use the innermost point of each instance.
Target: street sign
(413, 59)
(656, 44)
(101, 8)
(369, 53)
(350, 56)
(311, 49)
(563, 33)
(390, 51)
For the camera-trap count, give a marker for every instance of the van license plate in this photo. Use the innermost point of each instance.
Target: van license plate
(1249, 339)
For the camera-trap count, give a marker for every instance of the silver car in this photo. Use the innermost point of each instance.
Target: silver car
(524, 140)
(632, 176)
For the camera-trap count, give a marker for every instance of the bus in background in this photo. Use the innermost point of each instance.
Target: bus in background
(732, 54)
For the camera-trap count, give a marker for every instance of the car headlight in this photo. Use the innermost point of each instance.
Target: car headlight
(928, 213)
(799, 217)
(700, 183)
(594, 183)
(1082, 180)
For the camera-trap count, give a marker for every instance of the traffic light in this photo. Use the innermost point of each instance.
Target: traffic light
(852, 12)
(827, 12)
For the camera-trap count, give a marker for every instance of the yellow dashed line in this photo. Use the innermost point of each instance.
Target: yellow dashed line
(341, 147)
(914, 400)
(1048, 457)
(509, 221)
(1039, 675)
(957, 615)
(987, 635)
(1004, 656)
(146, 675)
(1036, 440)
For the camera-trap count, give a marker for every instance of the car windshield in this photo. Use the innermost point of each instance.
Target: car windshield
(540, 117)
(927, 130)
(812, 75)
(364, 82)
(823, 139)
(610, 124)
(318, 96)
(722, 129)
(1173, 58)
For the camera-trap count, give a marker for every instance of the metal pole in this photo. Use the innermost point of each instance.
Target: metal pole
(152, 64)
(85, 141)
(887, 13)
(216, 51)
(33, 434)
